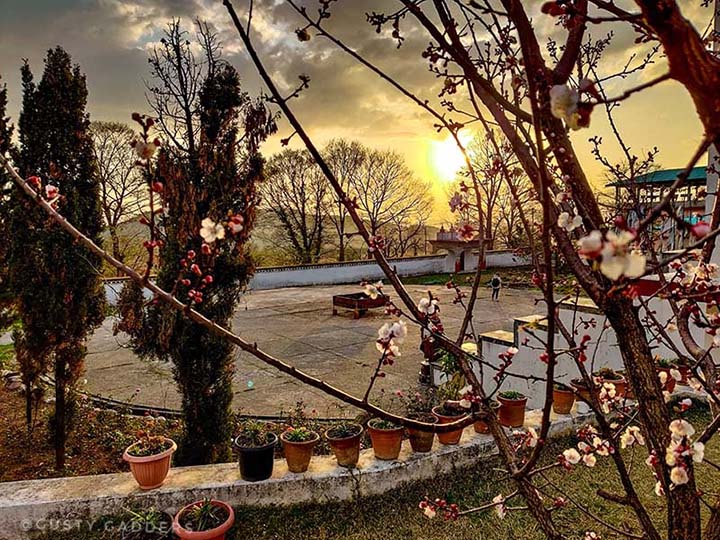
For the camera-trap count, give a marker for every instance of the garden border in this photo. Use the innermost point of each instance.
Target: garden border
(36, 505)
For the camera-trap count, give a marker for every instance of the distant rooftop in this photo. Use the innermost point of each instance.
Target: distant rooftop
(698, 176)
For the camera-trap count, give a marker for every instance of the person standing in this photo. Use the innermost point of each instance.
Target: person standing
(496, 284)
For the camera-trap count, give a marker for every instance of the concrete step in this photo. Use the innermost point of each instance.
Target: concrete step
(499, 337)
(582, 304)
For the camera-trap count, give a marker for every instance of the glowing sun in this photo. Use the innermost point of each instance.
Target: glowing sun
(446, 159)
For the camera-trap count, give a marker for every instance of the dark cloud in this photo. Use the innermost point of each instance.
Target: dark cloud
(110, 39)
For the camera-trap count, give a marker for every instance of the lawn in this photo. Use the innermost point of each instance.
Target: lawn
(395, 515)
(514, 278)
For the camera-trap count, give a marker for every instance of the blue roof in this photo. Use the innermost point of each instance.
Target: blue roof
(666, 176)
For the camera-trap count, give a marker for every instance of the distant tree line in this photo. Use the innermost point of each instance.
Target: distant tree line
(314, 224)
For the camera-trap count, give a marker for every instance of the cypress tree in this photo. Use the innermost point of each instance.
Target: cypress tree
(6, 131)
(218, 181)
(57, 282)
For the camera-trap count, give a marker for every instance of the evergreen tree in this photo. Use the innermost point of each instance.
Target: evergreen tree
(57, 283)
(6, 130)
(217, 181)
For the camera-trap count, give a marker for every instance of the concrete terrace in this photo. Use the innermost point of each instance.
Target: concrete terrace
(296, 325)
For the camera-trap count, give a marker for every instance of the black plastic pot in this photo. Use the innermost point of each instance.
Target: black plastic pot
(256, 462)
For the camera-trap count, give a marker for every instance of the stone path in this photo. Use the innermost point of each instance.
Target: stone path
(296, 325)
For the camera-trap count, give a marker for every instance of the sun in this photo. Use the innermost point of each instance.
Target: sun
(446, 159)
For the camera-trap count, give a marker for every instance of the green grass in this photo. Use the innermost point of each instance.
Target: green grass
(513, 278)
(395, 515)
(7, 355)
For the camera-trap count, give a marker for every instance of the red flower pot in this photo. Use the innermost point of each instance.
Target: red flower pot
(450, 437)
(481, 426)
(563, 401)
(150, 471)
(422, 441)
(386, 442)
(298, 454)
(512, 411)
(346, 449)
(218, 533)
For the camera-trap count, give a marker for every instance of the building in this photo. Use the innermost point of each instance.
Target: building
(636, 198)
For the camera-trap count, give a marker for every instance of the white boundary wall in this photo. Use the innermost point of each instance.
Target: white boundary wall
(347, 272)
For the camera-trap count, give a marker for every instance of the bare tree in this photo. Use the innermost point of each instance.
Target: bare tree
(390, 198)
(345, 158)
(122, 187)
(177, 76)
(295, 191)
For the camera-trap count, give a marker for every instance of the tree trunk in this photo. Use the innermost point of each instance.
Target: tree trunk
(116, 251)
(683, 505)
(341, 249)
(28, 407)
(60, 410)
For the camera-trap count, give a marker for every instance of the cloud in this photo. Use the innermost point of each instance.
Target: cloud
(110, 39)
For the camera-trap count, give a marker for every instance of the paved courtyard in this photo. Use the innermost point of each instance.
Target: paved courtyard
(296, 325)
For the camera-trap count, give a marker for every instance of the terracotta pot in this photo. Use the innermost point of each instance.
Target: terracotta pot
(346, 450)
(150, 471)
(218, 533)
(386, 442)
(422, 441)
(298, 454)
(450, 437)
(563, 401)
(620, 386)
(685, 375)
(669, 381)
(512, 411)
(480, 426)
(629, 392)
(256, 462)
(581, 390)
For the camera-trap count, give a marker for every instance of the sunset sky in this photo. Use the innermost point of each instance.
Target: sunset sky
(110, 40)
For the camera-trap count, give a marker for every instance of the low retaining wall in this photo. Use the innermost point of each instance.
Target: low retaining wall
(339, 273)
(346, 272)
(37, 505)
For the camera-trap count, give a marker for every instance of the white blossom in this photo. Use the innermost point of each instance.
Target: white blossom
(427, 306)
(681, 428)
(564, 104)
(572, 456)
(698, 452)
(565, 221)
(679, 476)
(211, 231)
(373, 290)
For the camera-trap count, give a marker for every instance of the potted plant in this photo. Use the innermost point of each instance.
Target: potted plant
(147, 524)
(684, 370)
(563, 399)
(512, 408)
(449, 411)
(204, 520)
(418, 406)
(581, 389)
(298, 445)
(480, 425)
(344, 439)
(421, 441)
(386, 438)
(609, 375)
(150, 458)
(256, 451)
